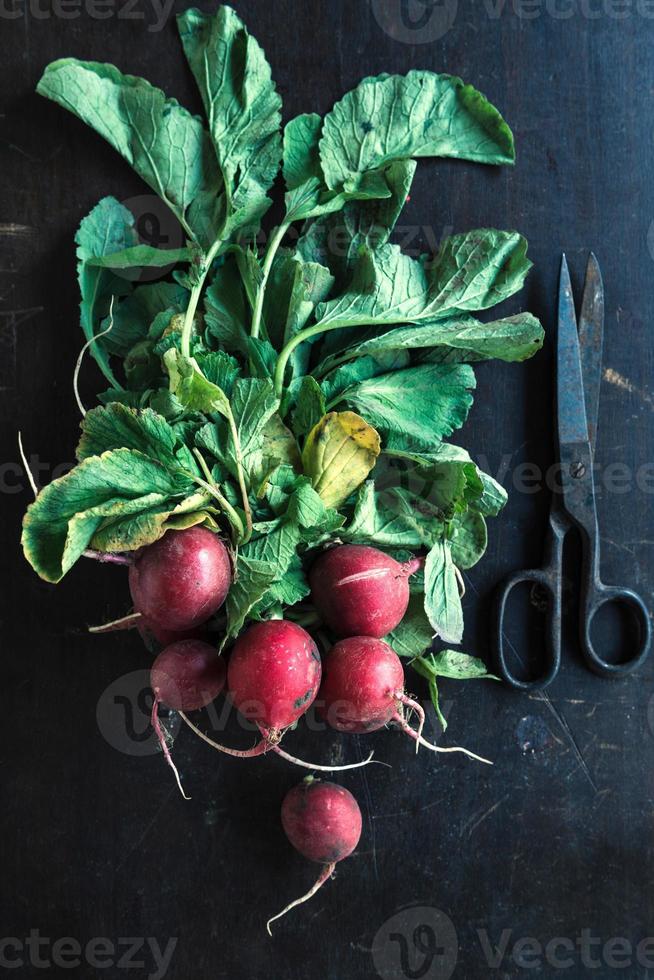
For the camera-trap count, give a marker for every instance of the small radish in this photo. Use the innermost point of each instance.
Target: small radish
(363, 689)
(323, 822)
(273, 677)
(360, 591)
(182, 579)
(185, 676)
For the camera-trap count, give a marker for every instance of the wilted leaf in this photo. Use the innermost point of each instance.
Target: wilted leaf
(339, 452)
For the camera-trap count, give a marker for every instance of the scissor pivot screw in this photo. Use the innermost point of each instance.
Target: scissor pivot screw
(577, 470)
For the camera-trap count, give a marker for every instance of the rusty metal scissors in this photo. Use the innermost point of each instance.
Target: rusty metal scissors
(578, 373)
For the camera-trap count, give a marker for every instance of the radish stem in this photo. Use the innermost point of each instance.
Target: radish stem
(124, 623)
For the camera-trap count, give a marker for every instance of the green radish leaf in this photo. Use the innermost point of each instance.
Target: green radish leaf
(421, 114)
(308, 511)
(514, 338)
(337, 239)
(493, 497)
(165, 144)
(139, 530)
(62, 521)
(291, 589)
(133, 316)
(108, 229)
(310, 406)
(220, 369)
(251, 582)
(453, 664)
(190, 386)
(456, 665)
(142, 256)
(445, 478)
(413, 635)
(253, 404)
(425, 403)
(360, 369)
(262, 357)
(312, 199)
(118, 427)
(442, 599)
(301, 153)
(242, 106)
(393, 518)
(279, 446)
(471, 272)
(468, 537)
(294, 290)
(226, 308)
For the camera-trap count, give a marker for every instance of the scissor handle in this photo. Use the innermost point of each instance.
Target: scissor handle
(548, 580)
(595, 595)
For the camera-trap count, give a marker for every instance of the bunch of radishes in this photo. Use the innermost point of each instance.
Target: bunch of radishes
(275, 671)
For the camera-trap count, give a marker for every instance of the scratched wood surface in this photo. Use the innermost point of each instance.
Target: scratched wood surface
(556, 838)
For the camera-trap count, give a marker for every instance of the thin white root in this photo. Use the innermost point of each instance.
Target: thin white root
(124, 623)
(406, 728)
(30, 477)
(459, 578)
(325, 874)
(310, 765)
(161, 736)
(259, 749)
(80, 356)
(413, 706)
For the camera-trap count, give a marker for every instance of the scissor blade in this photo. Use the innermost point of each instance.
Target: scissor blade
(571, 407)
(591, 341)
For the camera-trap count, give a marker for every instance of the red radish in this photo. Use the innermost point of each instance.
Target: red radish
(360, 591)
(323, 822)
(273, 677)
(274, 674)
(363, 690)
(182, 579)
(185, 676)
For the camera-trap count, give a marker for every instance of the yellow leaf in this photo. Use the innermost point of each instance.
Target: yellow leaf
(338, 455)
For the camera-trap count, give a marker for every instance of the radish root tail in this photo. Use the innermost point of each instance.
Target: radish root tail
(311, 765)
(269, 743)
(161, 736)
(260, 748)
(419, 710)
(406, 728)
(325, 874)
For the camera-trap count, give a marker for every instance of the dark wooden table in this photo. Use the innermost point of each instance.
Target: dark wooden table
(553, 843)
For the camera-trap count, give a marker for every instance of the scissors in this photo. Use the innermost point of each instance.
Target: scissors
(578, 372)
